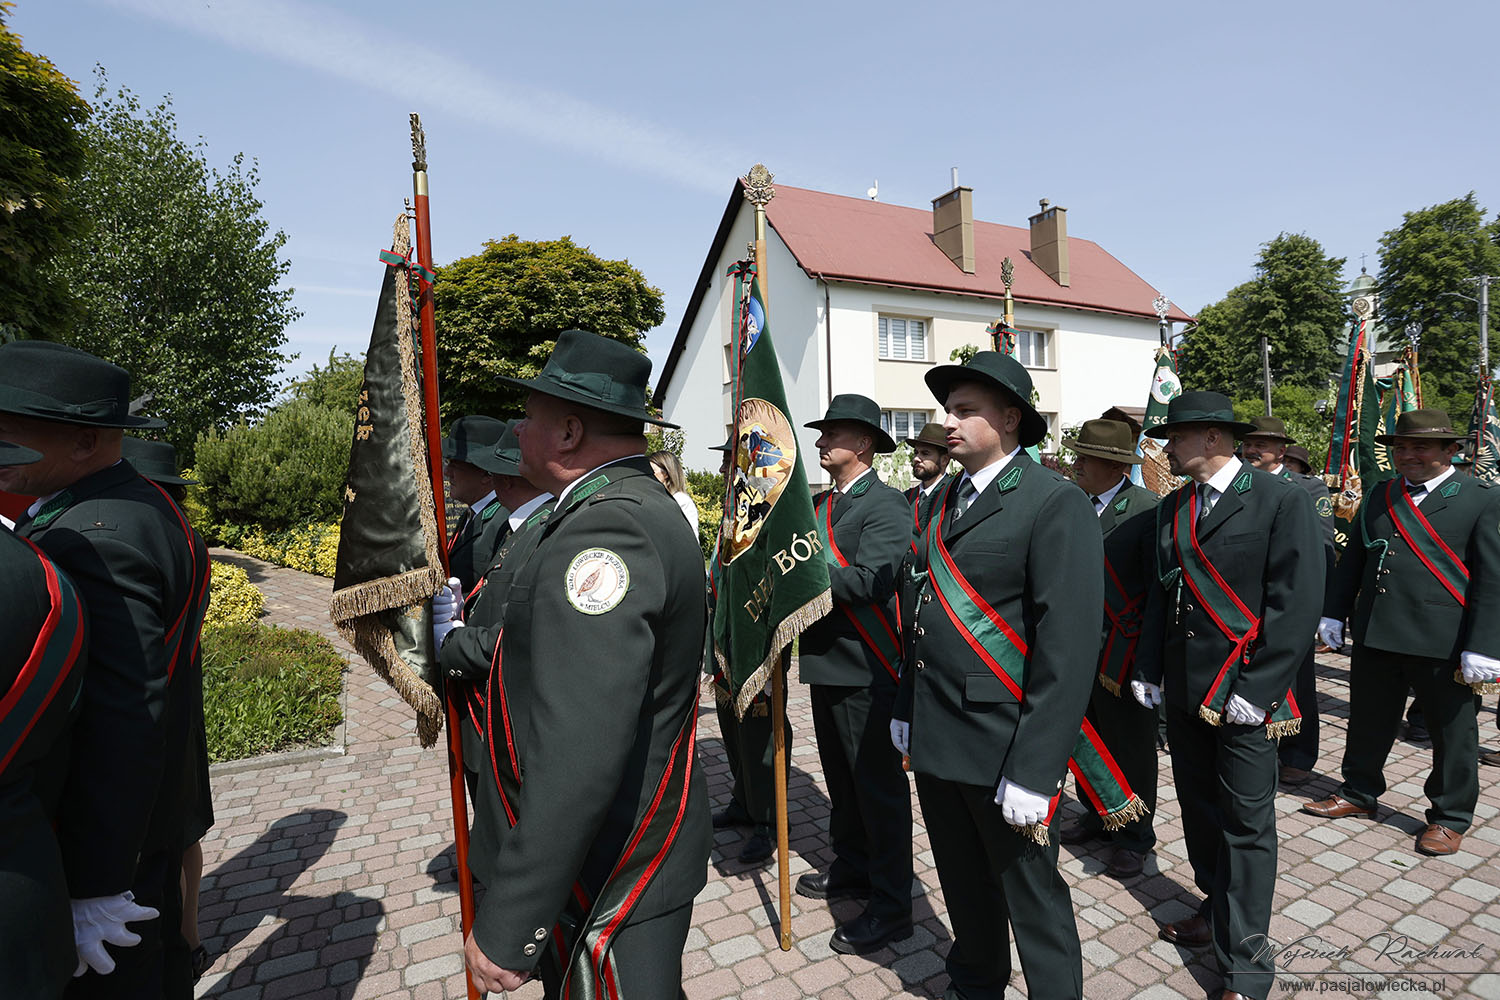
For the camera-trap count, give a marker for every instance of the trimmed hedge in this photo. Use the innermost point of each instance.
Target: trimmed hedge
(267, 688)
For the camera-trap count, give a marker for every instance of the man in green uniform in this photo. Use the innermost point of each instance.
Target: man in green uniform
(129, 550)
(929, 462)
(1240, 569)
(1266, 449)
(596, 678)
(1001, 638)
(43, 641)
(468, 656)
(469, 464)
(1105, 451)
(1419, 574)
(852, 659)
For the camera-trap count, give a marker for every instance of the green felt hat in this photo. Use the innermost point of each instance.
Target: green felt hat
(933, 434)
(505, 458)
(156, 460)
(1201, 407)
(472, 439)
(55, 382)
(851, 407)
(596, 372)
(997, 369)
(1297, 453)
(1107, 439)
(1426, 423)
(1269, 427)
(14, 454)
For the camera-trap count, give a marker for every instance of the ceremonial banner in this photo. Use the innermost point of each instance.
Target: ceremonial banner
(1400, 392)
(1484, 433)
(389, 561)
(1154, 473)
(772, 575)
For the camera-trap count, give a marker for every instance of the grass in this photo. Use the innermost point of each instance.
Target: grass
(267, 688)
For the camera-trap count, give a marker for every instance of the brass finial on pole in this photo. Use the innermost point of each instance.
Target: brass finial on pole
(1007, 275)
(759, 191)
(418, 144)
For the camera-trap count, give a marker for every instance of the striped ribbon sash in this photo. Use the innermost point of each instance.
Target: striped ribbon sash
(50, 665)
(870, 621)
(505, 768)
(1441, 561)
(1123, 609)
(1004, 651)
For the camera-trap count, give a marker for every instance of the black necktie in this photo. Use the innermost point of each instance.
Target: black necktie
(965, 496)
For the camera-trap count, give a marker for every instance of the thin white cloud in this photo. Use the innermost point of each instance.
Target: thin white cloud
(327, 41)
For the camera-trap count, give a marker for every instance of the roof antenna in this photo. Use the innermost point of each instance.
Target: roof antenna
(954, 172)
(874, 193)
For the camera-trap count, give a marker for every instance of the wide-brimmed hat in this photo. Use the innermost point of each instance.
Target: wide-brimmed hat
(156, 460)
(14, 454)
(1201, 407)
(933, 434)
(1297, 453)
(472, 439)
(56, 382)
(596, 372)
(1107, 439)
(851, 407)
(1425, 423)
(997, 369)
(505, 458)
(1269, 427)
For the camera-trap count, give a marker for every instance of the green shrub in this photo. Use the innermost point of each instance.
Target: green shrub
(267, 688)
(311, 548)
(232, 598)
(288, 469)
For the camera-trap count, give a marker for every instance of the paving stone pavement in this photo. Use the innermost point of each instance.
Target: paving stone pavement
(332, 877)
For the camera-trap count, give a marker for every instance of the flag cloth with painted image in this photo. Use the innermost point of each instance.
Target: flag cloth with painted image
(1154, 473)
(772, 575)
(1484, 433)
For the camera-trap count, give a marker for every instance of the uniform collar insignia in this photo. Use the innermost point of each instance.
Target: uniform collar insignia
(1010, 479)
(489, 511)
(588, 489)
(1242, 483)
(1121, 504)
(860, 488)
(52, 508)
(539, 515)
(1449, 489)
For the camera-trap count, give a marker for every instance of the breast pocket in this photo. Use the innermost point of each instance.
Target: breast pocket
(983, 692)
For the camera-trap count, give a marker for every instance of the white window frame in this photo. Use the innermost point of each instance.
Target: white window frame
(916, 420)
(1026, 344)
(886, 340)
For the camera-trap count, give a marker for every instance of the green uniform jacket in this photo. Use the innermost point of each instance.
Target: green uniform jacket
(872, 527)
(1030, 545)
(1262, 536)
(36, 956)
(1127, 525)
(1398, 604)
(125, 545)
(599, 686)
(1322, 505)
(472, 549)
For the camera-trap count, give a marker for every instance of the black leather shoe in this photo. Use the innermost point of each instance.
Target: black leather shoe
(867, 932)
(730, 816)
(1075, 832)
(758, 847)
(816, 885)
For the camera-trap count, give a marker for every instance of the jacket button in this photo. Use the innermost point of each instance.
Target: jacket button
(1379, 590)
(921, 665)
(529, 950)
(921, 630)
(1188, 607)
(926, 598)
(1190, 633)
(539, 934)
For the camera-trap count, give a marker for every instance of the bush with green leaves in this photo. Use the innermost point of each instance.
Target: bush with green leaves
(286, 470)
(232, 598)
(267, 689)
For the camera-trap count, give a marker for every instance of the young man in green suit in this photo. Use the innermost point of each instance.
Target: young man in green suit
(1105, 451)
(1265, 448)
(43, 642)
(929, 462)
(469, 465)
(1239, 565)
(852, 658)
(1001, 632)
(1420, 578)
(596, 682)
(141, 572)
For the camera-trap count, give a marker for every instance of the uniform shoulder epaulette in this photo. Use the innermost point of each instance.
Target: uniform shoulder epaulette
(1010, 480)
(1450, 489)
(861, 489)
(1242, 483)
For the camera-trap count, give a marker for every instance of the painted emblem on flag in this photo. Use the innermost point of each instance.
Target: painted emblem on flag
(1164, 387)
(755, 321)
(764, 457)
(596, 581)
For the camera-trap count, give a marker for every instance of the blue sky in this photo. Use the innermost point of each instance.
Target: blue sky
(1180, 136)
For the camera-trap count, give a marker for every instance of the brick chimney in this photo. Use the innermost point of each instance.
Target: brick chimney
(953, 225)
(1049, 241)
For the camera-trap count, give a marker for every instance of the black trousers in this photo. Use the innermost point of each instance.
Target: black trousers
(1378, 681)
(646, 958)
(993, 876)
(1301, 749)
(1226, 788)
(159, 967)
(747, 745)
(1128, 730)
(869, 821)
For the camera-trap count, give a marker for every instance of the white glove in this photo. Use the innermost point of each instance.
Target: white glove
(1242, 713)
(1478, 668)
(1331, 631)
(1021, 806)
(447, 605)
(901, 735)
(101, 919)
(1148, 694)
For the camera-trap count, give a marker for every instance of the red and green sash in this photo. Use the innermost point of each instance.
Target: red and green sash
(49, 666)
(1124, 610)
(1418, 533)
(1004, 651)
(1228, 613)
(870, 621)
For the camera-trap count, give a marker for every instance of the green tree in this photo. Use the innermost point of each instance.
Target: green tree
(41, 157)
(1296, 300)
(1423, 262)
(499, 313)
(336, 387)
(178, 281)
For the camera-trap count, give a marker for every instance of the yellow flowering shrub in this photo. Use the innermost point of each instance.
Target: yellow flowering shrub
(312, 548)
(232, 598)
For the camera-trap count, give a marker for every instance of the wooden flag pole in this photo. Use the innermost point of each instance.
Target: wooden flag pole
(456, 790)
(759, 191)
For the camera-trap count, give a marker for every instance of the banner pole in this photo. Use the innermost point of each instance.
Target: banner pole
(456, 790)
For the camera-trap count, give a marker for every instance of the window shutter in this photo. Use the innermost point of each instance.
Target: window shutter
(918, 349)
(884, 350)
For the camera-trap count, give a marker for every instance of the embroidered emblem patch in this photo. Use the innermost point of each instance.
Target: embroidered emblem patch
(861, 489)
(1450, 490)
(1242, 484)
(1010, 479)
(1121, 504)
(596, 581)
(1324, 506)
(587, 490)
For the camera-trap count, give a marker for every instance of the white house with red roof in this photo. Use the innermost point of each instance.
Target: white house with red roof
(866, 297)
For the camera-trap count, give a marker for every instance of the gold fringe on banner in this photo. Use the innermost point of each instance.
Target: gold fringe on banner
(791, 626)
